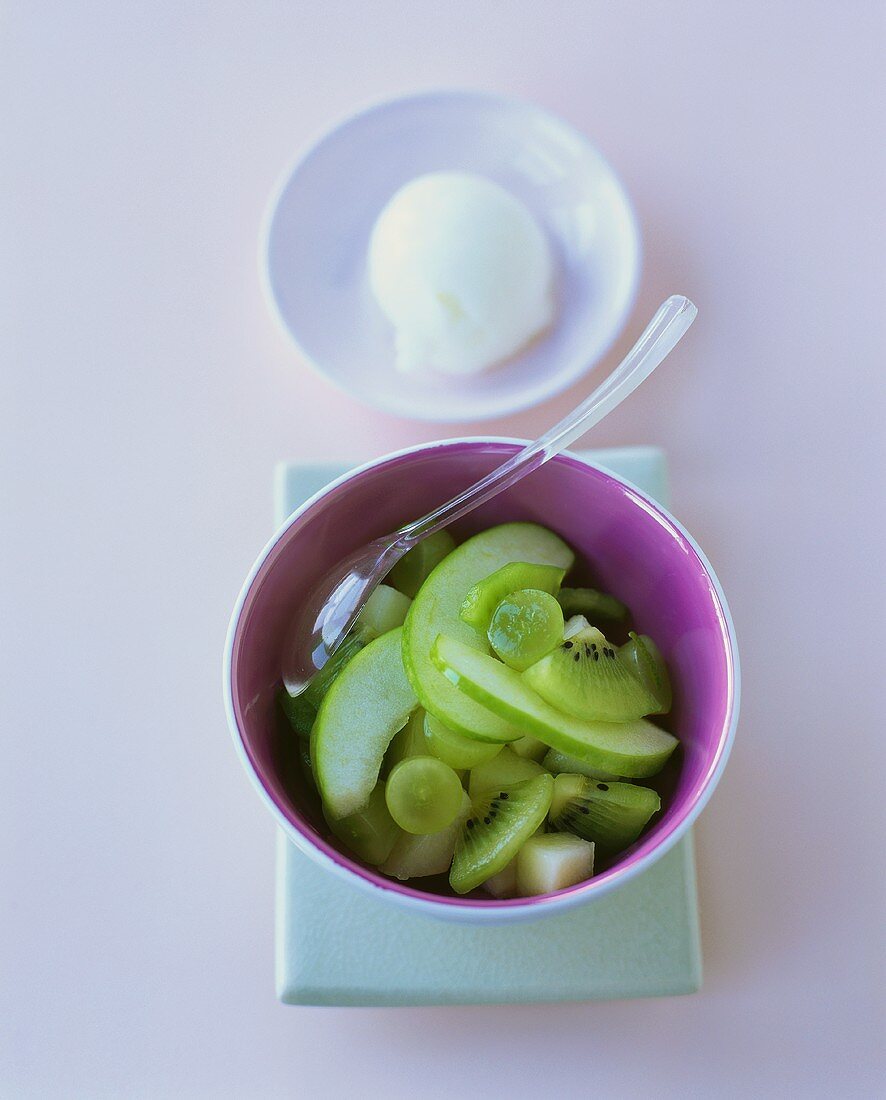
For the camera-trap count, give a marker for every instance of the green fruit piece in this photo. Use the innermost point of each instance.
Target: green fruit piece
(556, 762)
(304, 762)
(299, 712)
(385, 610)
(553, 862)
(419, 856)
(436, 609)
(371, 832)
(453, 748)
(574, 626)
(595, 606)
(612, 815)
(525, 626)
(504, 884)
(530, 748)
(409, 741)
(500, 822)
(643, 658)
(423, 794)
(483, 597)
(590, 679)
(417, 564)
(368, 703)
(633, 749)
(501, 771)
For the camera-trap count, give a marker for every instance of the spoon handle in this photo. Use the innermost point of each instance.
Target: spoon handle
(661, 335)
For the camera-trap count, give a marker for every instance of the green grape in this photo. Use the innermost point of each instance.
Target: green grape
(525, 626)
(423, 794)
(483, 598)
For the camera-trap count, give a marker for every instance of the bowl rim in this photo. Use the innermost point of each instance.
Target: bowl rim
(469, 909)
(531, 394)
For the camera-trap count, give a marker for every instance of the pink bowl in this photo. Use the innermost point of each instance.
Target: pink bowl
(625, 544)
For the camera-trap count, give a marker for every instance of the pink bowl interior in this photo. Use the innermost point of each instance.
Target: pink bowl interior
(623, 544)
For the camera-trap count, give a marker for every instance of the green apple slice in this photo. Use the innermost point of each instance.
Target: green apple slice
(369, 701)
(436, 609)
(634, 749)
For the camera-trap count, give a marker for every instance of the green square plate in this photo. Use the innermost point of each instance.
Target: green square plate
(338, 945)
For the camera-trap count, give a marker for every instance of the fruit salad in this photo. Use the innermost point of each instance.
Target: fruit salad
(483, 722)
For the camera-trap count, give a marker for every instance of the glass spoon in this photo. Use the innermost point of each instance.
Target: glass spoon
(340, 596)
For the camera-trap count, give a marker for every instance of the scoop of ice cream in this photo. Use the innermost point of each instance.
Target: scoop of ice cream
(463, 272)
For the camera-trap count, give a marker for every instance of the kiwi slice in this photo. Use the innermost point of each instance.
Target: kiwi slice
(593, 604)
(371, 832)
(485, 596)
(587, 677)
(417, 564)
(612, 815)
(504, 768)
(644, 659)
(501, 822)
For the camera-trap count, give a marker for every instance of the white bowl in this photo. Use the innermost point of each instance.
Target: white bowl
(319, 222)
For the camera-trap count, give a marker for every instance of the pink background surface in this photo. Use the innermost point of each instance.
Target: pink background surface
(145, 396)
